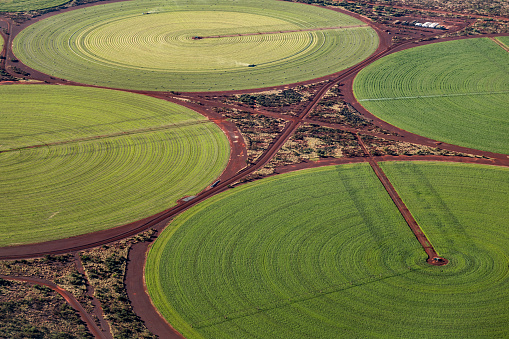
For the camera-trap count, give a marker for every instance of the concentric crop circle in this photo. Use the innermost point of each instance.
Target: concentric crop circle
(184, 46)
(455, 92)
(75, 160)
(324, 254)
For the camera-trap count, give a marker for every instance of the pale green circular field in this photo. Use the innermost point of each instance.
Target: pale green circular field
(108, 158)
(149, 45)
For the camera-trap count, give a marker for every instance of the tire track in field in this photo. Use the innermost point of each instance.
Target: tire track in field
(278, 32)
(111, 135)
(436, 95)
(500, 43)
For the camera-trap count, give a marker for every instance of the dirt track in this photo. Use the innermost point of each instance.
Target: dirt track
(433, 257)
(276, 32)
(235, 171)
(69, 298)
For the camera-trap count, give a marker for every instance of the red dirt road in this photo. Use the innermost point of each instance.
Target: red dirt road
(433, 257)
(138, 295)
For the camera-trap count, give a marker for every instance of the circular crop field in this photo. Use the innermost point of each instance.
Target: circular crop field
(106, 158)
(324, 253)
(456, 92)
(153, 45)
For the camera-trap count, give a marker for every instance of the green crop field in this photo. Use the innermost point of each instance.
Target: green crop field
(1, 43)
(28, 5)
(149, 45)
(149, 153)
(456, 92)
(324, 254)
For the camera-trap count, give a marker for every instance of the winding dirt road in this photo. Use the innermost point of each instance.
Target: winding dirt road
(69, 298)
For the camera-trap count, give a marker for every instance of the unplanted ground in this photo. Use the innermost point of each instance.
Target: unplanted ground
(456, 92)
(324, 253)
(149, 45)
(109, 158)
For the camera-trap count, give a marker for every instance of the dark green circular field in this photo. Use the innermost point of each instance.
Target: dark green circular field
(107, 158)
(151, 45)
(324, 253)
(456, 92)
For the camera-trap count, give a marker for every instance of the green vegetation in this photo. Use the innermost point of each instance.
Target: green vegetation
(287, 97)
(28, 5)
(149, 45)
(109, 158)
(324, 253)
(456, 92)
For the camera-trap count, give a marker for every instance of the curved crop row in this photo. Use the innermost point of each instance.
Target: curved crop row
(105, 45)
(80, 185)
(324, 253)
(456, 92)
(48, 114)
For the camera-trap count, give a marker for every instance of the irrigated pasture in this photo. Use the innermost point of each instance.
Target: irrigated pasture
(455, 92)
(28, 5)
(324, 253)
(108, 158)
(153, 45)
